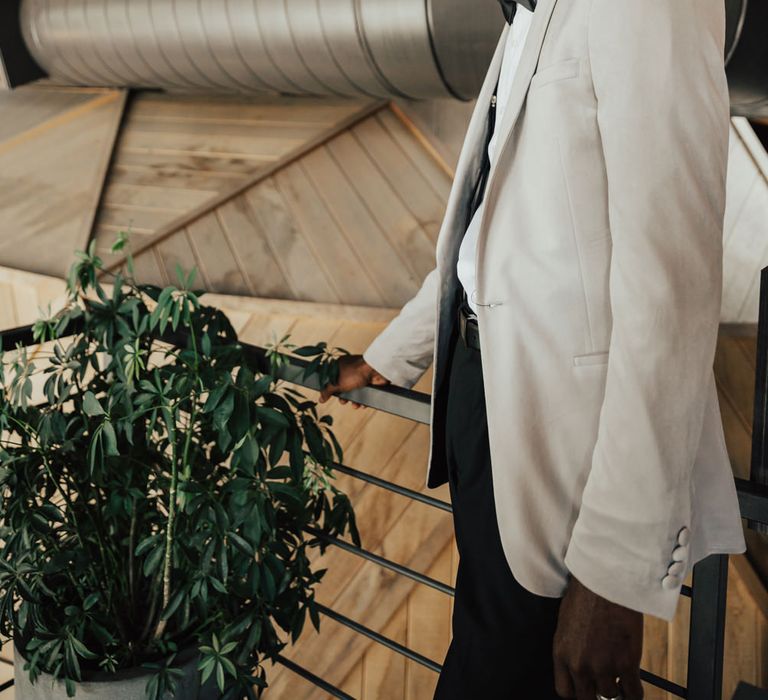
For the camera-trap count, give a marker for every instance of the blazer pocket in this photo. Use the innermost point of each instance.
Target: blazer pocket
(593, 358)
(562, 70)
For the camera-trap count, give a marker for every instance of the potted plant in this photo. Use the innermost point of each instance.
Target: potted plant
(155, 503)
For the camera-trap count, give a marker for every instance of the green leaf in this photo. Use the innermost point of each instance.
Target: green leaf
(309, 351)
(81, 649)
(174, 603)
(91, 405)
(152, 562)
(111, 439)
(91, 600)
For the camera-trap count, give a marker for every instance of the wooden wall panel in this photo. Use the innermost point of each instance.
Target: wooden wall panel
(52, 171)
(353, 220)
(177, 154)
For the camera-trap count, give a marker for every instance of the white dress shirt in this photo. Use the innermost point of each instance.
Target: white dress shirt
(509, 65)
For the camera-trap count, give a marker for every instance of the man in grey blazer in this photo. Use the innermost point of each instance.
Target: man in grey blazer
(572, 319)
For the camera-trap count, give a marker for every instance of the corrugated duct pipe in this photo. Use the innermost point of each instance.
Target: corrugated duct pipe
(403, 48)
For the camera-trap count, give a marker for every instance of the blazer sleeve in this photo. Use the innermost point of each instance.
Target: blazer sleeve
(404, 350)
(663, 116)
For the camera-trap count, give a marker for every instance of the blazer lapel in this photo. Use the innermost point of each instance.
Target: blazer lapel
(471, 153)
(522, 80)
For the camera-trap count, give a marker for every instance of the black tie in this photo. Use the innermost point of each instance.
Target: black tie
(509, 7)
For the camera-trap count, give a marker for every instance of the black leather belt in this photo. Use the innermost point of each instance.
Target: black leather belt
(468, 328)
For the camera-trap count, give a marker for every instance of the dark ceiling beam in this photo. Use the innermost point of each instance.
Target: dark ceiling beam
(16, 63)
(747, 56)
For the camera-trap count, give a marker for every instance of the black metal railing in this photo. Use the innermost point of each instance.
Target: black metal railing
(710, 576)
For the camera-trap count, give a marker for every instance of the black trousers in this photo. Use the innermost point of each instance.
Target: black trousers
(502, 634)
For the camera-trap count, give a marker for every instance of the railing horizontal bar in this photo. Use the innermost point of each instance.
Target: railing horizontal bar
(753, 500)
(380, 638)
(6, 685)
(312, 678)
(664, 684)
(404, 403)
(382, 561)
(395, 488)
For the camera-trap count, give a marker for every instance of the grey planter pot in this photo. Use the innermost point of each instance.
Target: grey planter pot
(127, 685)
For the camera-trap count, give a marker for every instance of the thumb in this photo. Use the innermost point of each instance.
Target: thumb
(327, 392)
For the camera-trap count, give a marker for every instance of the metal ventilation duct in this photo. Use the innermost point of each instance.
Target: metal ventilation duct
(404, 48)
(747, 56)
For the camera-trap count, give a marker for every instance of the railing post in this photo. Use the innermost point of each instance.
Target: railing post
(707, 634)
(759, 470)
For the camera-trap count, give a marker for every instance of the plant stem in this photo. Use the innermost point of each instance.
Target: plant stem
(132, 557)
(168, 565)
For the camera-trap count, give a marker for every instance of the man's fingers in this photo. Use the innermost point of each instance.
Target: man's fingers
(585, 687)
(563, 683)
(632, 686)
(608, 687)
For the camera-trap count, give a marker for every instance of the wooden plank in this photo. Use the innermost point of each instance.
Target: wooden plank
(352, 684)
(745, 254)
(214, 129)
(219, 145)
(364, 322)
(742, 630)
(155, 196)
(341, 264)
(102, 171)
(142, 220)
(743, 177)
(172, 177)
(385, 670)
(429, 629)
(195, 162)
(148, 269)
(25, 108)
(219, 268)
(736, 376)
(655, 650)
(46, 213)
(416, 192)
(235, 191)
(177, 250)
(403, 231)
(8, 317)
(301, 268)
(382, 263)
(253, 252)
(679, 630)
(431, 169)
(322, 112)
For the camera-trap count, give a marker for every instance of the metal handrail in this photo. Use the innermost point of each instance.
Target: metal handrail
(312, 678)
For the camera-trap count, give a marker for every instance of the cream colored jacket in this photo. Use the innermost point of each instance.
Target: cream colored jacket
(599, 268)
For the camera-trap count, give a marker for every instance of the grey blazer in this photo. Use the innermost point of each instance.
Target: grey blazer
(599, 271)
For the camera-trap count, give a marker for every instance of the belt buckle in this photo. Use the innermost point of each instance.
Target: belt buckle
(466, 316)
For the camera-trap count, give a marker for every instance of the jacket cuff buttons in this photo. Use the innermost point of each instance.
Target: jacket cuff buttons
(676, 570)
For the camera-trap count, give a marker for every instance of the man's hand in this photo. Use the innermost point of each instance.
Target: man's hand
(597, 647)
(354, 373)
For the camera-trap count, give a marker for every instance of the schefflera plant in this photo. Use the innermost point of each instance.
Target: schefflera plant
(158, 498)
